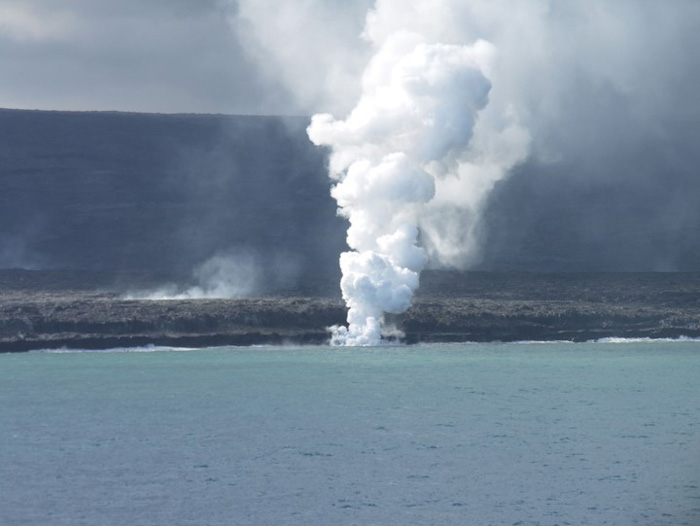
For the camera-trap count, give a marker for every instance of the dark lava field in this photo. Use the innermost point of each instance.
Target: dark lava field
(41, 309)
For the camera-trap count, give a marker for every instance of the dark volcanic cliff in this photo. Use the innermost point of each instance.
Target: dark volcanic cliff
(158, 195)
(161, 194)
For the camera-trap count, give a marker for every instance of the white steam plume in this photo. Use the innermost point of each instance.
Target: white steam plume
(418, 153)
(408, 154)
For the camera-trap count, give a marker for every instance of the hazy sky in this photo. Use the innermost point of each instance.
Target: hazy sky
(132, 55)
(284, 56)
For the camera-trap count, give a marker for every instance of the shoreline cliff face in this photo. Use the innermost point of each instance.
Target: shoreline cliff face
(48, 310)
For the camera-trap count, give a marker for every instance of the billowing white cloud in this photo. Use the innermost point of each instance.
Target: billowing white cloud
(412, 129)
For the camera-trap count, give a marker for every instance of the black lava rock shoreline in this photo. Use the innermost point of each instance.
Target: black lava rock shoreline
(49, 310)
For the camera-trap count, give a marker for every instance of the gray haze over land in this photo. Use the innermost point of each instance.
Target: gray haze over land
(607, 93)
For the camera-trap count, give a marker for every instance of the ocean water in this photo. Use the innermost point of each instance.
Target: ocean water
(497, 434)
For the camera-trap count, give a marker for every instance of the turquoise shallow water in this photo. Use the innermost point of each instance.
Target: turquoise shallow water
(499, 434)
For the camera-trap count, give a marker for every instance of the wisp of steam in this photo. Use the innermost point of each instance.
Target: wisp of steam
(411, 130)
(224, 275)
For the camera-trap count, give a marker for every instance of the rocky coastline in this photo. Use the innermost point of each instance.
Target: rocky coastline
(53, 310)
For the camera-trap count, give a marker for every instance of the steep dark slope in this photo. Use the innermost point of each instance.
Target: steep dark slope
(149, 198)
(160, 194)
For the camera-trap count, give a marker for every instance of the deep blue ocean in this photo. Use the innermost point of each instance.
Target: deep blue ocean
(496, 434)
